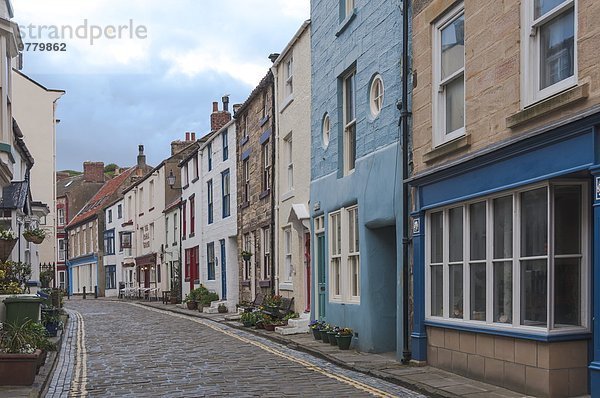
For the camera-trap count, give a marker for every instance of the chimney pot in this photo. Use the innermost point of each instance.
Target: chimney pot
(140, 149)
(225, 103)
(141, 159)
(187, 136)
(215, 107)
(193, 136)
(273, 57)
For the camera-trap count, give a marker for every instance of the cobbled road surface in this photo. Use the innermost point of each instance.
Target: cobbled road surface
(121, 349)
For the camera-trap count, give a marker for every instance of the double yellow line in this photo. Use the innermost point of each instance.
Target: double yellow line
(344, 379)
(79, 385)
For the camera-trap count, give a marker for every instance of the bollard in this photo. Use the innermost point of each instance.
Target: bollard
(84, 292)
(95, 292)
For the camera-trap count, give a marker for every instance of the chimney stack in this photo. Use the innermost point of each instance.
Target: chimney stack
(218, 118)
(141, 159)
(236, 108)
(93, 171)
(193, 136)
(187, 136)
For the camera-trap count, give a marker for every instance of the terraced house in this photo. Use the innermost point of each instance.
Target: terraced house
(507, 186)
(356, 176)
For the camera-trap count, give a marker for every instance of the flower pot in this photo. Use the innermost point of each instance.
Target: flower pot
(324, 336)
(260, 325)
(200, 307)
(192, 305)
(343, 341)
(173, 299)
(18, 369)
(332, 339)
(52, 328)
(6, 247)
(316, 334)
(270, 327)
(33, 238)
(246, 257)
(222, 309)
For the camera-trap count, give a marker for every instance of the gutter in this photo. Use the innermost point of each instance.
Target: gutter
(405, 114)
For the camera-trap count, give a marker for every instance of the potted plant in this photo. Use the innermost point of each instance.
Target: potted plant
(260, 320)
(248, 319)
(222, 308)
(191, 300)
(331, 334)
(8, 240)
(315, 326)
(269, 323)
(51, 320)
(246, 255)
(325, 328)
(344, 338)
(34, 235)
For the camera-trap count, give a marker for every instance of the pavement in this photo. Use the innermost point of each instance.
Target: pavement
(135, 349)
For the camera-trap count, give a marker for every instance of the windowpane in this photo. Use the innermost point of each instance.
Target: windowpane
(503, 292)
(335, 268)
(437, 290)
(534, 223)
(567, 219)
(557, 49)
(354, 275)
(456, 234)
(437, 233)
(351, 137)
(567, 292)
(349, 97)
(503, 227)
(541, 7)
(477, 226)
(455, 104)
(453, 47)
(534, 283)
(456, 291)
(477, 292)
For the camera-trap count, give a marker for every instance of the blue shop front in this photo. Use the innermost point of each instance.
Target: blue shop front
(506, 263)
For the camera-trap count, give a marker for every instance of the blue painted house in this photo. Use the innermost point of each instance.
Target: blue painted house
(355, 169)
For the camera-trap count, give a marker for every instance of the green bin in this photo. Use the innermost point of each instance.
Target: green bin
(21, 308)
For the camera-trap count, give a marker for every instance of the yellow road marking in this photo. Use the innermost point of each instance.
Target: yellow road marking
(344, 379)
(79, 386)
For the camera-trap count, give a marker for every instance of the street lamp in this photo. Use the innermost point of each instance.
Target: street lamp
(171, 179)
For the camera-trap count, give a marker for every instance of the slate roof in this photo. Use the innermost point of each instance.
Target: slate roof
(14, 195)
(101, 198)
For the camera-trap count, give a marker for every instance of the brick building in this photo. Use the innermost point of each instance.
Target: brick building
(506, 185)
(255, 148)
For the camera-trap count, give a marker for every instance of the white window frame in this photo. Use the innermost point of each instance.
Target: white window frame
(326, 131)
(440, 136)
(61, 216)
(266, 166)
(61, 249)
(287, 253)
(265, 237)
(530, 52)
(289, 77)
(516, 325)
(344, 253)
(289, 154)
(376, 95)
(347, 8)
(246, 176)
(349, 122)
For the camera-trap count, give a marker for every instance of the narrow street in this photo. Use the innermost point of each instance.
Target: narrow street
(123, 349)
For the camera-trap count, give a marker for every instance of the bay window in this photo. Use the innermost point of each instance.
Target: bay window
(516, 260)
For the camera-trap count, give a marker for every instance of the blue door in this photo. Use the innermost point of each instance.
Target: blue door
(321, 275)
(223, 271)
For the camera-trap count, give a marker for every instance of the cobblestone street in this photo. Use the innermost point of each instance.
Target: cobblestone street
(123, 349)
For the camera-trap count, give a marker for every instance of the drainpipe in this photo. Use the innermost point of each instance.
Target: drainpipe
(273, 126)
(404, 115)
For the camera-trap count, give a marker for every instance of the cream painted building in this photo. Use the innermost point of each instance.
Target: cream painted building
(292, 71)
(34, 108)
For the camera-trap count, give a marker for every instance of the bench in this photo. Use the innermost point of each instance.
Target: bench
(258, 301)
(280, 311)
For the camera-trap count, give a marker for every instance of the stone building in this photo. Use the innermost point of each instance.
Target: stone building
(255, 193)
(356, 175)
(506, 190)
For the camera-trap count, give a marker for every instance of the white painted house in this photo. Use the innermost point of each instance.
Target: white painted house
(292, 72)
(118, 260)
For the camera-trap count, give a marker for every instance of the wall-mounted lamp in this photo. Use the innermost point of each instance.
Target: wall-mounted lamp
(171, 179)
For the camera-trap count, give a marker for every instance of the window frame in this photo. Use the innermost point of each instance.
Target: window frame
(192, 201)
(440, 135)
(225, 144)
(344, 254)
(226, 193)
(265, 248)
(289, 154)
(246, 177)
(289, 77)
(287, 254)
(265, 153)
(376, 97)
(325, 131)
(209, 156)
(531, 48)
(517, 259)
(349, 124)
(210, 202)
(109, 242)
(60, 212)
(211, 274)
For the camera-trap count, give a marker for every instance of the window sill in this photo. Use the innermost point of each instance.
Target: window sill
(266, 283)
(263, 121)
(187, 279)
(447, 148)
(286, 103)
(246, 283)
(196, 179)
(264, 194)
(344, 24)
(150, 209)
(288, 195)
(191, 235)
(568, 97)
(244, 140)
(186, 186)
(524, 332)
(286, 286)
(245, 204)
(141, 214)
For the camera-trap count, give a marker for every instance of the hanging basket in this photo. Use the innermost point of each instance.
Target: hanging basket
(33, 238)
(6, 247)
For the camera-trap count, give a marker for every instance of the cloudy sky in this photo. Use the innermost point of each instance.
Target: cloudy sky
(159, 78)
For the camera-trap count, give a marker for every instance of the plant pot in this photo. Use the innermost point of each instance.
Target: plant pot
(6, 247)
(316, 334)
(324, 336)
(332, 339)
(173, 299)
(270, 327)
(18, 369)
(33, 238)
(200, 307)
(260, 325)
(222, 309)
(192, 305)
(52, 328)
(343, 341)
